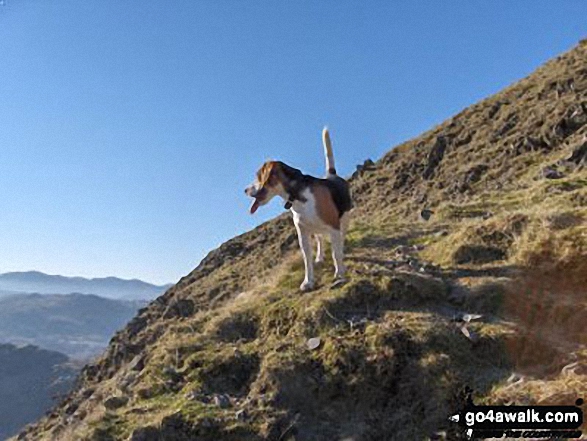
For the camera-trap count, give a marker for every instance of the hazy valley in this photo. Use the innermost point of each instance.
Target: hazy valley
(46, 338)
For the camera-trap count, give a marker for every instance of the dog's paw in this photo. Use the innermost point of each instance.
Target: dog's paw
(319, 260)
(307, 285)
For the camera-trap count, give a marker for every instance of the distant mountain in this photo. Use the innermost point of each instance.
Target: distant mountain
(4, 293)
(30, 379)
(79, 325)
(111, 287)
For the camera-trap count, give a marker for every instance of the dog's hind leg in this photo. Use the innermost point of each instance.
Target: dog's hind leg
(306, 246)
(319, 248)
(345, 220)
(337, 239)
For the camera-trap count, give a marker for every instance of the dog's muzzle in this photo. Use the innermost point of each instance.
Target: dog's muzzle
(257, 194)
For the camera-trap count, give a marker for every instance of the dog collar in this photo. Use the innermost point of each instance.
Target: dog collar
(289, 202)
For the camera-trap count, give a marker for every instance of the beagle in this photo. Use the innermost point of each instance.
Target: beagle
(319, 206)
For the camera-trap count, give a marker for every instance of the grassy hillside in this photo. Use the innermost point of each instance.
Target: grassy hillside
(224, 354)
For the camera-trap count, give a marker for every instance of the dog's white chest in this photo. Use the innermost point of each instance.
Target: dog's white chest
(305, 214)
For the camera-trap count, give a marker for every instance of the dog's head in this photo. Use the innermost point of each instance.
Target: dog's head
(273, 178)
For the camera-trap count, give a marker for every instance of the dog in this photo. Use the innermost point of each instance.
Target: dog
(320, 206)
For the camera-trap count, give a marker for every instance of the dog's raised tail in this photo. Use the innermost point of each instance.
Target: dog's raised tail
(330, 168)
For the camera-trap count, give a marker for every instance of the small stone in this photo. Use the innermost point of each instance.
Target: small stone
(127, 380)
(470, 317)
(222, 401)
(470, 334)
(515, 378)
(426, 214)
(144, 393)
(192, 395)
(551, 173)
(314, 343)
(87, 393)
(137, 363)
(579, 155)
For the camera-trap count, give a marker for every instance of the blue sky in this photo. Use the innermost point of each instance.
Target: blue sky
(130, 129)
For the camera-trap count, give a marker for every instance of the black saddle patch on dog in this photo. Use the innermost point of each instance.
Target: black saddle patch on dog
(297, 182)
(341, 193)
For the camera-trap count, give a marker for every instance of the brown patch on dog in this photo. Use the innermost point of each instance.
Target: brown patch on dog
(270, 174)
(267, 174)
(325, 206)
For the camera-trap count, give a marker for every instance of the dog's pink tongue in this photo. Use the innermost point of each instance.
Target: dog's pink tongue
(254, 206)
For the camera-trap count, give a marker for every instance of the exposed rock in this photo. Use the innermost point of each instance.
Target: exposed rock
(368, 165)
(529, 144)
(579, 155)
(241, 415)
(313, 343)
(472, 176)
(435, 156)
(176, 427)
(478, 254)
(115, 402)
(505, 128)
(127, 380)
(573, 120)
(144, 393)
(493, 110)
(238, 327)
(222, 401)
(136, 325)
(400, 180)
(426, 213)
(230, 376)
(463, 139)
(179, 308)
(470, 317)
(470, 334)
(147, 433)
(562, 221)
(137, 363)
(550, 172)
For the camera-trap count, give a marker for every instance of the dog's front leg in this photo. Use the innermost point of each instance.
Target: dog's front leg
(306, 246)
